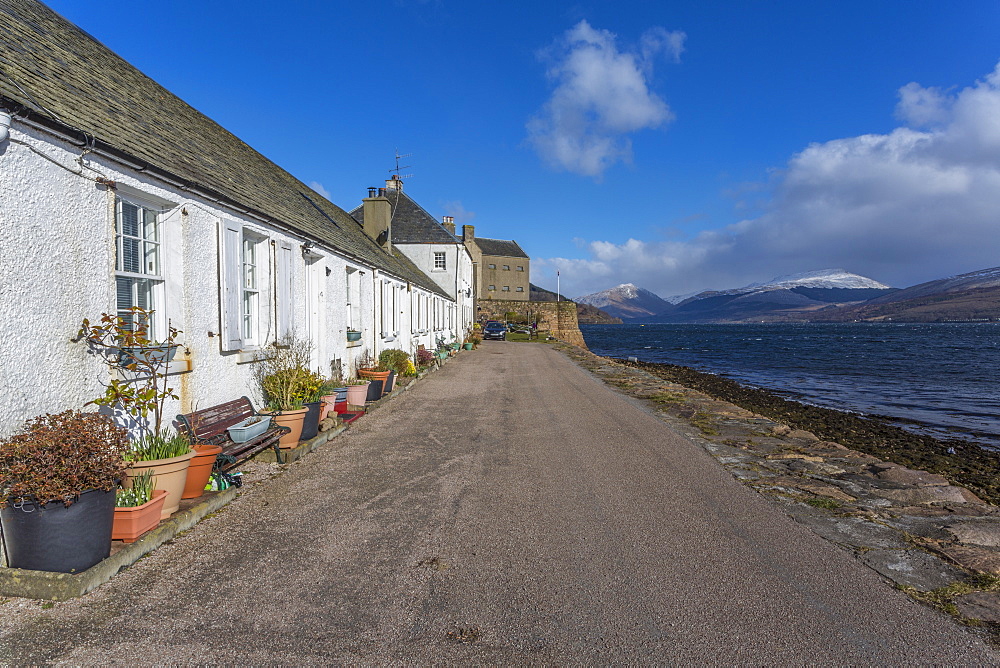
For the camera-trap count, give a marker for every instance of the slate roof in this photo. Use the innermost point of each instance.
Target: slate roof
(411, 224)
(59, 76)
(500, 247)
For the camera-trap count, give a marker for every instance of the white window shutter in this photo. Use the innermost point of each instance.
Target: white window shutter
(283, 296)
(231, 283)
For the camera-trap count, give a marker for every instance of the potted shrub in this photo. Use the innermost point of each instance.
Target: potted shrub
(369, 369)
(313, 404)
(397, 361)
(166, 456)
(424, 358)
(137, 509)
(125, 343)
(282, 372)
(353, 335)
(57, 491)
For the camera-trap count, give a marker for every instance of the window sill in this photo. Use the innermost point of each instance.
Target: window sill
(354, 344)
(174, 368)
(247, 356)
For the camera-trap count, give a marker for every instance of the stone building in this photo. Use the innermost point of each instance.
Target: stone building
(503, 269)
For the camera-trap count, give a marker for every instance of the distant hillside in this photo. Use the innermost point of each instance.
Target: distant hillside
(795, 297)
(973, 296)
(627, 301)
(585, 313)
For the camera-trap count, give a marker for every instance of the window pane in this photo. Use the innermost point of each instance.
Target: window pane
(123, 288)
(130, 219)
(152, 258)
(150, 229)
(131, 259)
(249, 265)
(143, 296)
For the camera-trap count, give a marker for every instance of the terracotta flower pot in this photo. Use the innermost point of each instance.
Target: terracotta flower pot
(293, 420)
(168, 474)
(327, 403)
(371, 374)
(132, 522)
(356, 394)
(200, 470)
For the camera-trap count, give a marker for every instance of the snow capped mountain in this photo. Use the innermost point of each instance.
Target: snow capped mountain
(824, 278)
(805, 292)
(627, 301)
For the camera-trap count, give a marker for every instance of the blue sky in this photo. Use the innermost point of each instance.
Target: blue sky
(676, 145)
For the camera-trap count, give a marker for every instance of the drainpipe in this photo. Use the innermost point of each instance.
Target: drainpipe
(4, 125)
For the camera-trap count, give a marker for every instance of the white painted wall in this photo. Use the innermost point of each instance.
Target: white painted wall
(456, 279)
(57, 267)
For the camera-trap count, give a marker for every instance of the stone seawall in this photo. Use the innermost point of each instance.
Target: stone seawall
(557, 317)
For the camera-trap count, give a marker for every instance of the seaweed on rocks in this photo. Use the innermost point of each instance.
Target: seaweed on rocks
(962, 462)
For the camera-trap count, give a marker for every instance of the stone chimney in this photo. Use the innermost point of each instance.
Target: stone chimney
(395, 183)
(449, 224)
(468, 232)
(378, 217)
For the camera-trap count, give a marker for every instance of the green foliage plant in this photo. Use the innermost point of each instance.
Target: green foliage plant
(394, 359)
(58, 457)
(282, 372)
(139, 493)
(113, 337)
(162, 445)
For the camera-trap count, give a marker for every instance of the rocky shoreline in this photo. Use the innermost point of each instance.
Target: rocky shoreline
(963, 462)
(858, 482)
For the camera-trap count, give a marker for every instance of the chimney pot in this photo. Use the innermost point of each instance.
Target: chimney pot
(371, 192)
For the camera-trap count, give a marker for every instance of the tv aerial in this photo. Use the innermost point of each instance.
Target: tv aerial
(397, 169)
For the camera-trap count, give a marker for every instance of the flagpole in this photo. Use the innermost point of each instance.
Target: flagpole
(558, 294)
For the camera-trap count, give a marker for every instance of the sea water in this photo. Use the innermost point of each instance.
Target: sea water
(939, 379)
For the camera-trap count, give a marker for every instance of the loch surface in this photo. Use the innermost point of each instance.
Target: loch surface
(939, 379)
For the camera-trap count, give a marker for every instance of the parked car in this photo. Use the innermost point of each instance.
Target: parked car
(495, 330)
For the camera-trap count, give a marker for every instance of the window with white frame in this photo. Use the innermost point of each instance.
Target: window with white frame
(492, 287)
(251, 291)
(505, 288)
(520, 268)
(439, 261)
(353, 299)
(520, 289)
(245, 274)
(506, 267)
(138, 277)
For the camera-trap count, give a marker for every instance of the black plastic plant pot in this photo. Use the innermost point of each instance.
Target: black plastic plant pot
(374, 390)
(310, 424)
(56, 538)
(389, 382)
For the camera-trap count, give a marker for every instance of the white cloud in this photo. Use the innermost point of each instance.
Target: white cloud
(919, 203)
(601, 95)
(318, 187)
(456, 209)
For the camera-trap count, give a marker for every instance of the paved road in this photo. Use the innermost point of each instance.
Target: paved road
(508, 509)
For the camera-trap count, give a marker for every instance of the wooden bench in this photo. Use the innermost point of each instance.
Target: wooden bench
(209, 425)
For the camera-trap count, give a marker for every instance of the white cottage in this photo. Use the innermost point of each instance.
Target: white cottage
(115, 193)
(431, 245)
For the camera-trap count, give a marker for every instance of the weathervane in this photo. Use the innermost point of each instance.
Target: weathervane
(397, 169)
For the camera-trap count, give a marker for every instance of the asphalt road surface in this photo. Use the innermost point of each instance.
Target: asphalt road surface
(508, 509)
